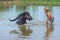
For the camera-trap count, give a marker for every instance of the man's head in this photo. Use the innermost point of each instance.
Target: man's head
(46, 9)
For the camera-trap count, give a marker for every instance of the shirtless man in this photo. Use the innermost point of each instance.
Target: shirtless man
(50, 17)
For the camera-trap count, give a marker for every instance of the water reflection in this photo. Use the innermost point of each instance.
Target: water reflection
(24, 31)
(4, 7)
(21, 8)
(50, 29)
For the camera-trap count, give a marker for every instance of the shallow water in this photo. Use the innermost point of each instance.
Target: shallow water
(33, 30)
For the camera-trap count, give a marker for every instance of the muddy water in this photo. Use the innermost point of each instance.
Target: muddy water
(33, 30)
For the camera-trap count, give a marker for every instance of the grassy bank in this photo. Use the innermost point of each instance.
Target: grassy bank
(40, 0)
(40, 3)
(30, 3)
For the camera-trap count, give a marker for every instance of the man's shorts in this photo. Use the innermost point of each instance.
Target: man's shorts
(52, 20)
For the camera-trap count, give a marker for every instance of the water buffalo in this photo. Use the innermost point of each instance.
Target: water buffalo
(21, 18)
